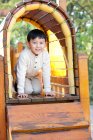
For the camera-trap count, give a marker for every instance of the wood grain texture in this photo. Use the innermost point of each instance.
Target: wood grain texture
(84, 84)
(42, 117)
(2, 102)
(81, 134)
(39, 99)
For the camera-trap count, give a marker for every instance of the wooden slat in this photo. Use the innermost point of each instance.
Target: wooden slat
(39, 15)
(31, 14)
(81, 134)
(55, 29)
(60, 35)
(19, 47)
(41, 99)
(59, 80)
(76, 72)
(33, 118)
(47, 17)
(50, 23)
(76, 81)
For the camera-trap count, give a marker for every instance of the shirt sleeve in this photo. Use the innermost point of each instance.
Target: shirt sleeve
(21, 72)
(46, 72)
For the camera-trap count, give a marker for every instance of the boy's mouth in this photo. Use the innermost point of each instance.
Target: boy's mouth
(38, 49)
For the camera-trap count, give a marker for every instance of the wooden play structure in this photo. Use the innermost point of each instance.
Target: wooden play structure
(65, 116)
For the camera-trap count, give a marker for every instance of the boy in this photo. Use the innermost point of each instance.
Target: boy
(33, 66)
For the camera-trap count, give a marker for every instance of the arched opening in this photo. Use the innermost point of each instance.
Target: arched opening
(54, 21)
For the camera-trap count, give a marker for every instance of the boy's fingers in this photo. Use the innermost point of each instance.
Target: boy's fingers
(50, 94)
(22, 96)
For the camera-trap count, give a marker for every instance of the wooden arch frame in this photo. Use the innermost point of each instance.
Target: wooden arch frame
(62, 19)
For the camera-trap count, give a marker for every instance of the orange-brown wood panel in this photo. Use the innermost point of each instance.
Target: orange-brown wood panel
(19, 47)
(42, 117)
(2, 102)
(84, 84)
(81, 134)
(63, 81)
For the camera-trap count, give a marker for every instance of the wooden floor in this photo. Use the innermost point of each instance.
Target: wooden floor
(47, 121)
(33, 99)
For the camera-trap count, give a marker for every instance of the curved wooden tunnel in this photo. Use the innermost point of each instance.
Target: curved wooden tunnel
(52, 19)
(45, 15)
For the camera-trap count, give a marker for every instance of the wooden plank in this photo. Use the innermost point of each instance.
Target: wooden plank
(47, 17)
(39, 15)
(50, 23)
(31, 14)
(84, 84)
(76, 81)
(77, 91)
(19, 47)
(56, 29)
(2, 102)
(76, 72)
(41, 99)
(36, 99)
(46, 117)
(59, 80)
(60, 35)
(79, 134)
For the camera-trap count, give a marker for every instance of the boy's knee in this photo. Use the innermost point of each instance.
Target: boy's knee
(28, 90)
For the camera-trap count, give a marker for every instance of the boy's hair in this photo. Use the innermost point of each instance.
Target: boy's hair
(36, 33)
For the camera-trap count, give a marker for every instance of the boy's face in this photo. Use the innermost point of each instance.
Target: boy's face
(37, 45)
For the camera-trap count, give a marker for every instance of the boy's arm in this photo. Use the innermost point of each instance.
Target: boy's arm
(21, 73)
(46, 72)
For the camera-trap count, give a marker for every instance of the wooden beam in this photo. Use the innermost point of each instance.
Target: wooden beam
(2, 102)
(84, 84)
(62, 3)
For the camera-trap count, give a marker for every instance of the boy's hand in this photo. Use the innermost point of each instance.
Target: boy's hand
(22, 95)
(49, 94)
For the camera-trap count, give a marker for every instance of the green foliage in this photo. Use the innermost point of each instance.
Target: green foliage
(19, 33)
(8, 4)
(81, 13)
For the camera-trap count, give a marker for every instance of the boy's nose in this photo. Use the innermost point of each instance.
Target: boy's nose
(38, 45)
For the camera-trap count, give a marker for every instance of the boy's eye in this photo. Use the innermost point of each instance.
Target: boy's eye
(34, 42)
(41, 43)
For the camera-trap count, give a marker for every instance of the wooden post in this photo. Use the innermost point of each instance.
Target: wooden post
(84, 84)
(2, 102)
(62, 3)
(19, 47)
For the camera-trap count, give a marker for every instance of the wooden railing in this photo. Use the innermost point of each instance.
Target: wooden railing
(2, 102)
(84, 84)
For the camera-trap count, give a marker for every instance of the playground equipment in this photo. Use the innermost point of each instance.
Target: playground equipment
(65, 116)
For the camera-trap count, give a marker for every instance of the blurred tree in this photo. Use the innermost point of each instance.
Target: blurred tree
(81, 13)
(3, 1)
(8, 4)
(19, 33)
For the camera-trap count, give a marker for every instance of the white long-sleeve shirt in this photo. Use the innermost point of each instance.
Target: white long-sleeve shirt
(29, 65)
